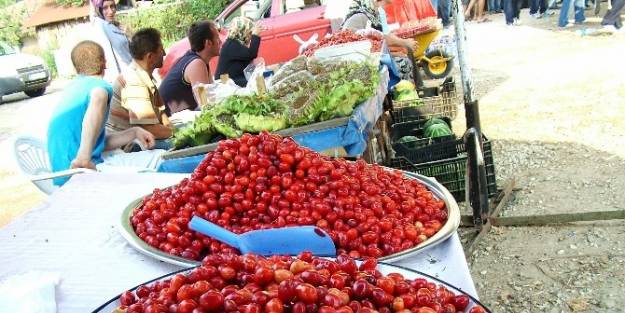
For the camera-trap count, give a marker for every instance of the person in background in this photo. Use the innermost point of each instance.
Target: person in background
(365, 14)
(192, 68)
(512, 10)
(538, 8)
(76, 134)
(444, 12)
(612, 19)
(137, 102)
(478, 11)
(564, 12)
(239, 50)
(112, 38)
(495, 6)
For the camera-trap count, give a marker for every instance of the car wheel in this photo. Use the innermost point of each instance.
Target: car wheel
(35, 92)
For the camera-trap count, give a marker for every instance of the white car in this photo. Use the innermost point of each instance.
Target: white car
(22, 72)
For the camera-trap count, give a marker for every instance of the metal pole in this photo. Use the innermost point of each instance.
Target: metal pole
(470, 103)
(476, 189)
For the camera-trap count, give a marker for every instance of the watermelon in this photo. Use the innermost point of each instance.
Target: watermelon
(433, 121)
(437, 130)
(406, 139)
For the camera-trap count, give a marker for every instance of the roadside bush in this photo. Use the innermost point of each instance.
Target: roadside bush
(172, 19)
(48, 57)
(74, 3)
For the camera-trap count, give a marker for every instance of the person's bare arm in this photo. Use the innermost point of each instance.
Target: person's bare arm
(122, 138)
(393, 40)
(91, 126)
(197, 72)
(159, 131)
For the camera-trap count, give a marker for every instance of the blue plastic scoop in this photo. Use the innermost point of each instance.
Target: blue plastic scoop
(275, 241)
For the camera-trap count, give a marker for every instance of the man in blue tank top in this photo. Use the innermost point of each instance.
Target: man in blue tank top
(177, 87)
(76, 136)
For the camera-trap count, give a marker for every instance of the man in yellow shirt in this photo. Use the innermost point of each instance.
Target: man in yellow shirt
(136, 101)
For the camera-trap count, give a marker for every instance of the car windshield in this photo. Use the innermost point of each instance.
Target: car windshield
(6, 49)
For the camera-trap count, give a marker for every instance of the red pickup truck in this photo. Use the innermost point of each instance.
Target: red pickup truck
(281, 21)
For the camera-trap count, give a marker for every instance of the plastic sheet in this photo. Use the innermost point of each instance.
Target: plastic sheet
(403, 11)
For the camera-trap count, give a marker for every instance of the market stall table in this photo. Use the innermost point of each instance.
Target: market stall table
(348, 133)
(75, 234)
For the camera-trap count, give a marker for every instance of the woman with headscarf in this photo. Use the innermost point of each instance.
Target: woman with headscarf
(112, 38)
(364, 14)
(239, 49)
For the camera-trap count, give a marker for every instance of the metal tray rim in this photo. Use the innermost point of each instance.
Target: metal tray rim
(385, 268)
(448, 229)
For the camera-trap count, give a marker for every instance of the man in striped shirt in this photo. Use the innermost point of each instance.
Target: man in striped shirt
(136, 101)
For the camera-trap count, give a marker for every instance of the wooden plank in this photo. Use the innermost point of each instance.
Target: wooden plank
(549, 219)
(466, 221)
(468, 250)
(504, 195)
(507, 192)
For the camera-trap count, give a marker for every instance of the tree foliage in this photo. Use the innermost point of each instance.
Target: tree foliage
(172, 19)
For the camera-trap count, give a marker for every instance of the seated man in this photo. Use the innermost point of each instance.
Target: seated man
(191, 68)
(76, 136)
(137, 102)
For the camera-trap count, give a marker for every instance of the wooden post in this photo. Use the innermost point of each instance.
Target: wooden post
(260, 83)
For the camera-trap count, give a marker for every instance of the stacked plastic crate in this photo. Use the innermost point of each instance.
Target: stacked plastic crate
(442, 157)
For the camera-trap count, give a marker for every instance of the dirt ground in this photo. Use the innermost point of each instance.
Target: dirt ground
(552, 102)
(555, 117)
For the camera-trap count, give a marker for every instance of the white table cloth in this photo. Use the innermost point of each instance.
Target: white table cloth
(76, 234)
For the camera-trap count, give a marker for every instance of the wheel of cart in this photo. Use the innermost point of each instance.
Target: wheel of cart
(436, 63)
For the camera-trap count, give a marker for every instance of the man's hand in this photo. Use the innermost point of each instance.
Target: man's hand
(145, 137)
(80, 163)
(410, 44)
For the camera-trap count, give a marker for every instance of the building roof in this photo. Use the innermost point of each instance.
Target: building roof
(52, 13)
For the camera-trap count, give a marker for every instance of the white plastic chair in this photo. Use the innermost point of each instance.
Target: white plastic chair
(31, 157)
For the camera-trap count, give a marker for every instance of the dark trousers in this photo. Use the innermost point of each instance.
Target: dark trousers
(613, 16)
(538, 6)
(444, 7)
(512, 9)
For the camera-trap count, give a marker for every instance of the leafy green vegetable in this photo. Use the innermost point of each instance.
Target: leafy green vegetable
(409, 96)
(200, 132)
(256, 123)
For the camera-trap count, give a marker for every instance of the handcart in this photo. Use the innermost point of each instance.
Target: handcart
(436, 63)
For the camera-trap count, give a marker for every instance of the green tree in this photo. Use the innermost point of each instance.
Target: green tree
(75, 3)
(6, 3)
(172, 19)
(11, 19)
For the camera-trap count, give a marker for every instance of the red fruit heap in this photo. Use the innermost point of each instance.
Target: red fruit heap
(345, 36)
(253, 284)
(265, 181)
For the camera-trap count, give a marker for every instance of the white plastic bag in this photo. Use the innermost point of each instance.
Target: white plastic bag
(303, 44)
(251, 72)
(209, 95)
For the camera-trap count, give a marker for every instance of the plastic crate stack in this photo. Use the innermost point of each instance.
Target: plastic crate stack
(443, 157)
